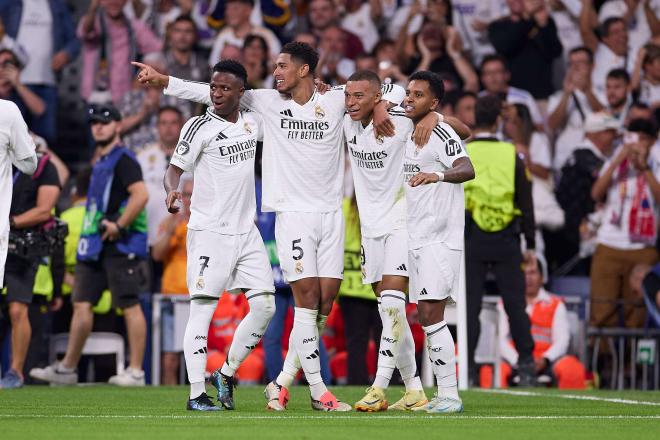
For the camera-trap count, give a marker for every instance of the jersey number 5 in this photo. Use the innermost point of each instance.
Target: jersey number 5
(295, 248)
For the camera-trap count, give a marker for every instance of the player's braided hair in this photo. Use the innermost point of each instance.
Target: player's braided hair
(304, 53)
(435, 82)
(233, 67)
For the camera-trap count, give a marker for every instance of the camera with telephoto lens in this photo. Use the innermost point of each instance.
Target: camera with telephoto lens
(35, 243)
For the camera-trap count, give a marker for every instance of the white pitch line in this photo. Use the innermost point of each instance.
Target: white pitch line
(303, 417)
(570, 396)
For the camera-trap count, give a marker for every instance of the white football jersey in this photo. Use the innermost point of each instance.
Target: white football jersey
(377, 165)
(302, 165)
(220, 154)
(436, 212)
(15, 145)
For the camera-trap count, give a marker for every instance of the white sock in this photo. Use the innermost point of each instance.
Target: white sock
(305, 336)
(405, 358)
(291, 361)
(290, 367)
(197, 388)
(195, 343)
(251, 329)
(392, 312)
(443, 358)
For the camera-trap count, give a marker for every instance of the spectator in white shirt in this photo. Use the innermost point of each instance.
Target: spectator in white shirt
(641, 17)
(471, 18)
(568, 108)
(238, 26)
(566, 14)
(154, 159)
(333, 66)
(611, 52)
(646, 76)
(495, 78)
(617, 93)
(361, 18)
(628, 185)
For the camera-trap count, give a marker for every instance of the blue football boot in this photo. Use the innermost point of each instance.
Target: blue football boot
(201, 403)
(225, 386)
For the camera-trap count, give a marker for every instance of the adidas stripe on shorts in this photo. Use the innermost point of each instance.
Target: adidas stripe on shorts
(384, 255)
(433, 272)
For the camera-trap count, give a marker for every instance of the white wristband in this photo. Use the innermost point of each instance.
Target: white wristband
(440, 117)
(440, 174)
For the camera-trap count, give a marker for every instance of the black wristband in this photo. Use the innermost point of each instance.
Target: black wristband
(122, 230)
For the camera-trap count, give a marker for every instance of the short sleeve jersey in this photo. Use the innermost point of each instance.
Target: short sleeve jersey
(302, 164)
(220, 154)
(376, 164)
(436, 211)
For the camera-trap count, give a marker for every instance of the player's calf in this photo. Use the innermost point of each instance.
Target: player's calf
(247, 337)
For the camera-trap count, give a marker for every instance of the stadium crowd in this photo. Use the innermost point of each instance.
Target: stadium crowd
(579, 87)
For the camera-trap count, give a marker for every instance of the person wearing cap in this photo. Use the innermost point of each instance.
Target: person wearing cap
(573, 191)
(629, 187)
(499, 209)
(111, 250)
(12, 89)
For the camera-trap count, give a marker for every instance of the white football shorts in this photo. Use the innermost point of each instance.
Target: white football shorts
(219, 262)
(433, 272)
(385, 255)
(310, 244)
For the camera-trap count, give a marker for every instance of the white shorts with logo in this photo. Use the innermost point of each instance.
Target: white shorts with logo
(384, 255)
(310, 244)
(433, 272)
(219, 262)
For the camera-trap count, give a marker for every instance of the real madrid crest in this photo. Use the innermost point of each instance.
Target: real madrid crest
(182, 148)
(380, 139)
(200, 283)
(299, 267)
(318, 112)
(248, 130)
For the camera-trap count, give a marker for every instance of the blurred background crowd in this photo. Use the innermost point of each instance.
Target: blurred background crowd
(581, 84)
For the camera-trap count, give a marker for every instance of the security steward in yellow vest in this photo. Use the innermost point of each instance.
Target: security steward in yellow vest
(359, 308)
(499, 208)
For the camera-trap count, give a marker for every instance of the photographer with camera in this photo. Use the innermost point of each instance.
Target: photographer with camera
(111, 250)
(30, 215)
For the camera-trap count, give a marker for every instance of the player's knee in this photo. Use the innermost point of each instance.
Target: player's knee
(82, 308)
(18, 311)
(262, 304)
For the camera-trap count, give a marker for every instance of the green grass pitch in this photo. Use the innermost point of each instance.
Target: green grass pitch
(104, 412)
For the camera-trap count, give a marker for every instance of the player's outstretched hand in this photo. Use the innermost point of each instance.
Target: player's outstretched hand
(382, 122)
(150, 76)
(173, 202)
(423, 179)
